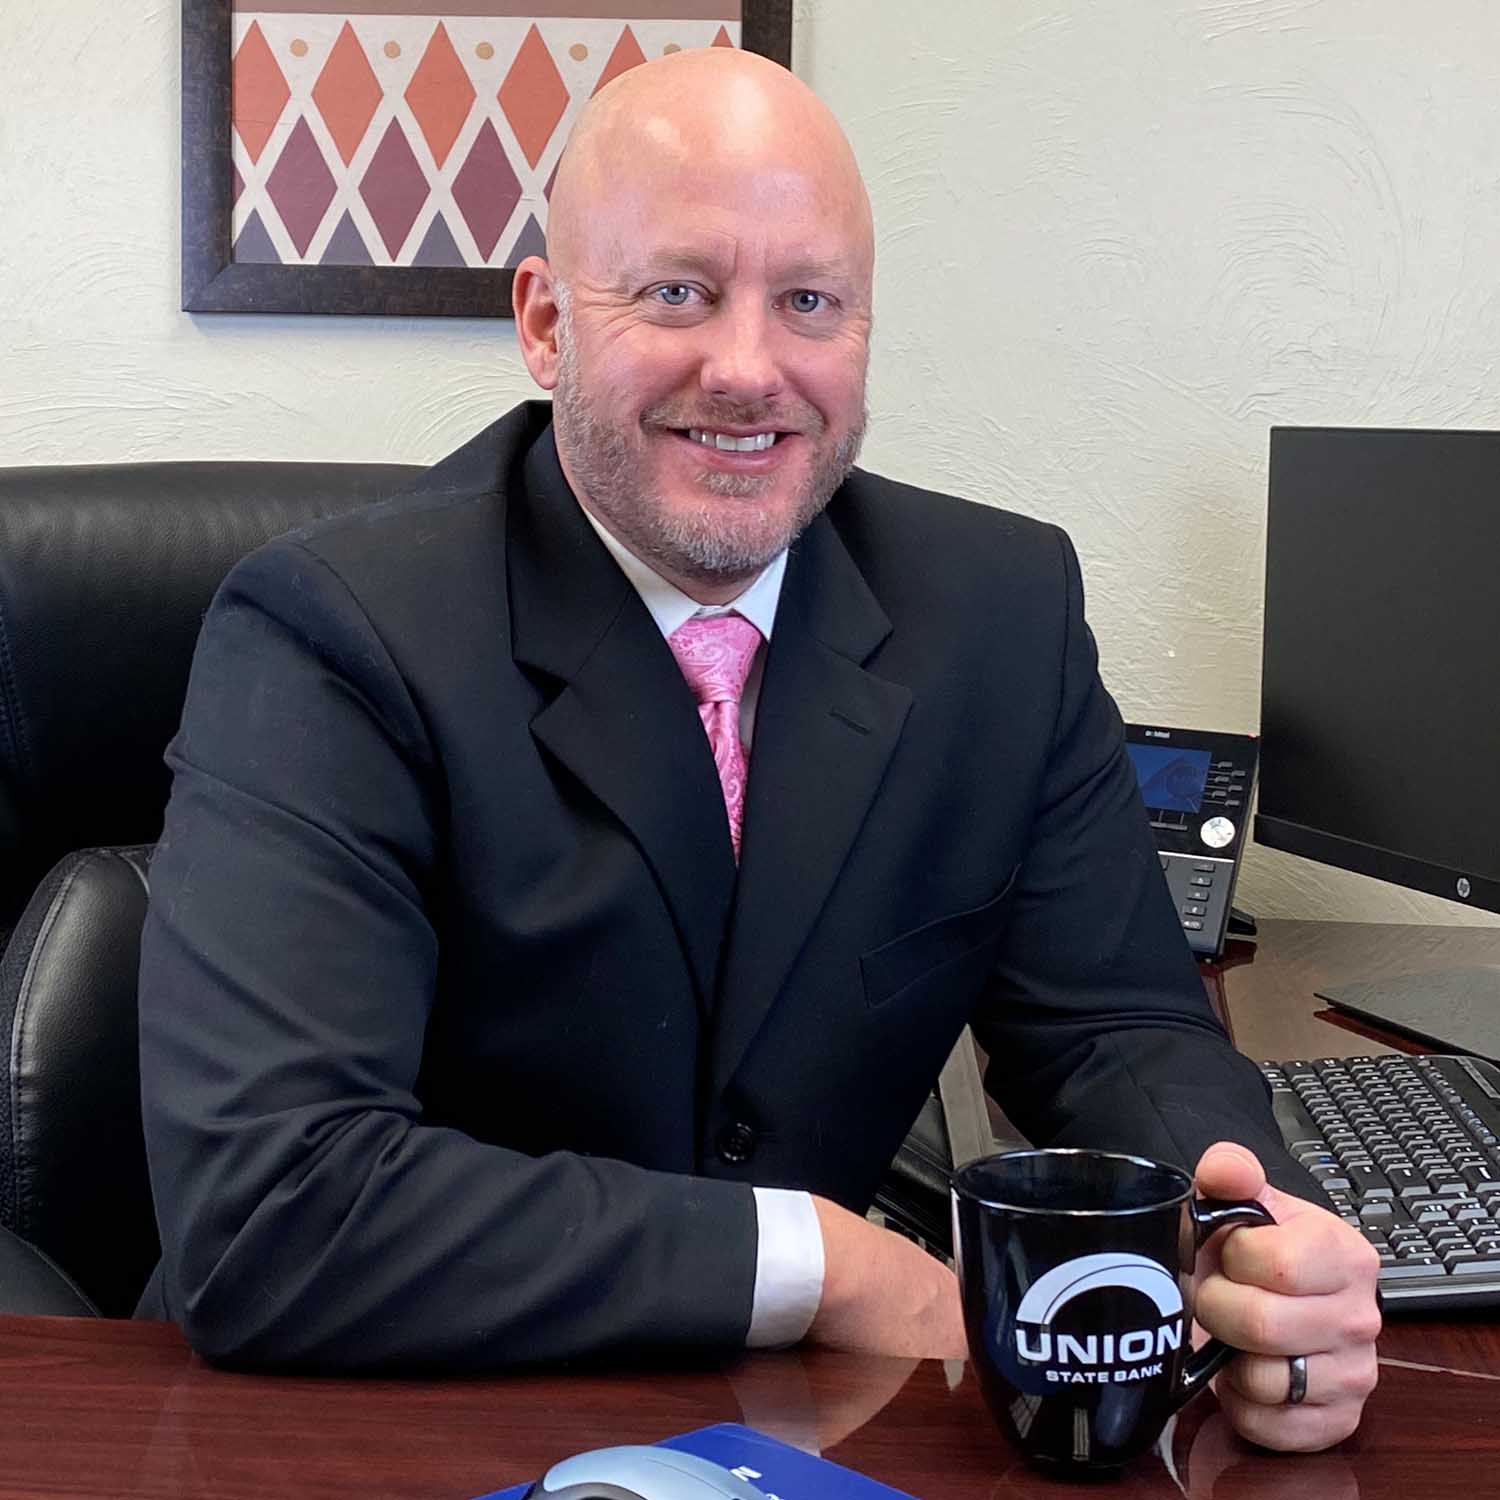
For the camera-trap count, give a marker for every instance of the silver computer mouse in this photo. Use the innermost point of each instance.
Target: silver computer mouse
(640, 1473)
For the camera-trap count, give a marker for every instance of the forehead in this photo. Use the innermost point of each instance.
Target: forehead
(728, 216)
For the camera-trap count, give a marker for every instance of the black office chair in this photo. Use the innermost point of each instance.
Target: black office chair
(105, 573)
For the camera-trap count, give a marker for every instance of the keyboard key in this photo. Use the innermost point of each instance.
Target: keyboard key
(1405, 1270)
(1481, 1265)
(1330, 1177)
(1368, 1181)
(1407, 1182)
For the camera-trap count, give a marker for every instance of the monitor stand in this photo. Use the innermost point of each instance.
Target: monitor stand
(1451, 1010)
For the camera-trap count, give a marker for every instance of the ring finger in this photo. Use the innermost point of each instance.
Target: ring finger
(1266, 1379)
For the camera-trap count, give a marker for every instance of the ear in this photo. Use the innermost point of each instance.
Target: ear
(535, 303)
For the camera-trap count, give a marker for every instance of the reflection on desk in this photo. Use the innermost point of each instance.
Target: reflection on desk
(123, 1411)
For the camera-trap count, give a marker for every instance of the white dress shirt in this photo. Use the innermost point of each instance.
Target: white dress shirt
(789, 1252)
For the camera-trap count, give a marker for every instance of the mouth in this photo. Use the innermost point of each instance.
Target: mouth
(733, 442)
(734, 450)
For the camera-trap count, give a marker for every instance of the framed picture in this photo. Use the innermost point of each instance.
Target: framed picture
(394, 157)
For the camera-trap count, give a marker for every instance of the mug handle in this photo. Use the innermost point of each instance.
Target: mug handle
(1208, 1216)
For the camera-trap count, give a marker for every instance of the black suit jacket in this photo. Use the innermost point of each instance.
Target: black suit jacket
(462, 1038)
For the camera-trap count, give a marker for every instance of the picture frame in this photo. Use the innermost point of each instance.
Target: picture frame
(215, 280)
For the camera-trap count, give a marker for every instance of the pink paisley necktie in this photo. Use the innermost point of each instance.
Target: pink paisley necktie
(715, 652)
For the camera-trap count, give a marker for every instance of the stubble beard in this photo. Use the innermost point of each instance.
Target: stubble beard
(708, 543)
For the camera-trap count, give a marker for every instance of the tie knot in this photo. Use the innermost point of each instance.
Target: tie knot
(715, 652)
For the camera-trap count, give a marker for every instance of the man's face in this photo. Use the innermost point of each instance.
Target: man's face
(712, 352)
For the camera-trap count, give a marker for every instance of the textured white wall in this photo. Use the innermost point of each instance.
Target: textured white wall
(1118, 240)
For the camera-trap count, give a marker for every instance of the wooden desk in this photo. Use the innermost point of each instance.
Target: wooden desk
(1266, 988)
(122, 1411)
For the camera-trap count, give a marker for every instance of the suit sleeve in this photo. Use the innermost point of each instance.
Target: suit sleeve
(1096, 1022)
(309, 1217)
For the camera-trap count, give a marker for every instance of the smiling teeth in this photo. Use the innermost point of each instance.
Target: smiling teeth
(757, 443)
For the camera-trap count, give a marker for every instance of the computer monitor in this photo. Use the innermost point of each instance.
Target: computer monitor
(1380, 699)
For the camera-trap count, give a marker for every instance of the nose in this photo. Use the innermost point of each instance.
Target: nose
(740, 361)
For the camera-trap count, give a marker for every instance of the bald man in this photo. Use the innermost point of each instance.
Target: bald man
(578, 869)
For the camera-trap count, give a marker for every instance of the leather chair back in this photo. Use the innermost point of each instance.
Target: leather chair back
(105, 573)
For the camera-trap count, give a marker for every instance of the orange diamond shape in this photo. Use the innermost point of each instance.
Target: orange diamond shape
(533, 96)
(440, 94)
(258, 91)
(627, 55)
(347, 93)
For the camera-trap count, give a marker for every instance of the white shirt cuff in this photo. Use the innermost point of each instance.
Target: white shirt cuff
(788, 1268)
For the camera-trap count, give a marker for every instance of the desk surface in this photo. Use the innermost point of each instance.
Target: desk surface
(124, 1411)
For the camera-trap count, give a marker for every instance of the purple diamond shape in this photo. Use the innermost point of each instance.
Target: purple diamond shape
(486, 190)
(530, 241)
(394, 187)
(301, 186)
(438, 248)
(254, 246)
(345, 247)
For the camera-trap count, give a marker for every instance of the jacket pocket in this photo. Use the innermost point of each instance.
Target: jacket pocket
(896, 965)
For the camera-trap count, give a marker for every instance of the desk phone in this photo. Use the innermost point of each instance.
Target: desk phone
(1196, 785)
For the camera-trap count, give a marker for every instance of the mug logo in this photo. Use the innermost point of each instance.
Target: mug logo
(1112, 1357)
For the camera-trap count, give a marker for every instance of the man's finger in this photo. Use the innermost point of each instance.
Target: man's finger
(1228, 1170)
(1289, 1429)
(1338, 1376)
(1261, 1322)
(1318, 1255)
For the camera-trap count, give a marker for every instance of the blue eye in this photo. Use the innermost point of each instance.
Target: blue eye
(675, 293)
(805, 301)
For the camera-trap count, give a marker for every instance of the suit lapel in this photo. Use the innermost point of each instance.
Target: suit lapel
(624, 721)
(825, 730)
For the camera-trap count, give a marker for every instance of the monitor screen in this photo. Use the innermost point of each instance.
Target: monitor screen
(1380, 699)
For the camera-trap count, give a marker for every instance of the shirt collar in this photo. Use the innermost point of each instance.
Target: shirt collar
(670, 607)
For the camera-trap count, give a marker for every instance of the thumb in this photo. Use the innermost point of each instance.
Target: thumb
(1229, 1170)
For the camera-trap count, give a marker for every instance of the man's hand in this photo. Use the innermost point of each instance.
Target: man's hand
(882, 1294)
(1305, 1285)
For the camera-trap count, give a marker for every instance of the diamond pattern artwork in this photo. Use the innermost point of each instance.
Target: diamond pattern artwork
(301, 186)
(440, 95)
(627, 54)
(394, 188)
(347, 93)
(260, 92)
(486, 190)
(533, 96)
(429, 137)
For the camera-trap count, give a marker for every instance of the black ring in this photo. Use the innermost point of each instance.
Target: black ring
(1296, 1392)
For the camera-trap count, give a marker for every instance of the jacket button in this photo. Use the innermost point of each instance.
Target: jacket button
(736, 1143)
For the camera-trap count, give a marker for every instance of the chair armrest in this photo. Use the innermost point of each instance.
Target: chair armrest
(31, 1283)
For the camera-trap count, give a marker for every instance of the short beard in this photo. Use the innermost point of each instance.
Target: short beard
(711, 544)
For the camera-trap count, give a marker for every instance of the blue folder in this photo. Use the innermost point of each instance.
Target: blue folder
(781, 1471)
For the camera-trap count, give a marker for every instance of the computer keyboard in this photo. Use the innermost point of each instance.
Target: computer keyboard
(1408, 1148)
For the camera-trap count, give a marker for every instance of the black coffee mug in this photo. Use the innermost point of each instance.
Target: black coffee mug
(1071, 1266)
